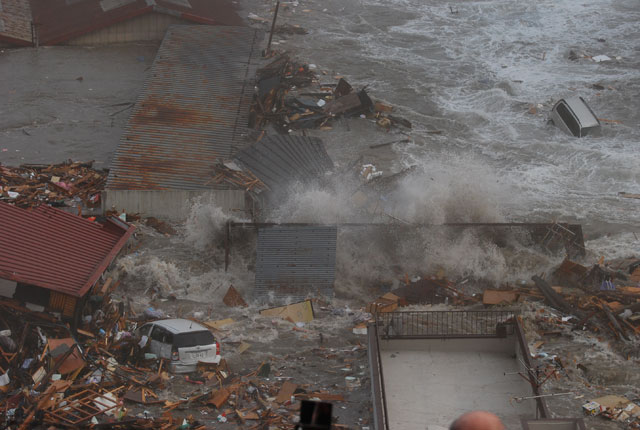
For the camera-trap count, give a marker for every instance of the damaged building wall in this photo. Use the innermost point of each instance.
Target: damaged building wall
(141, 28)
(173, 205)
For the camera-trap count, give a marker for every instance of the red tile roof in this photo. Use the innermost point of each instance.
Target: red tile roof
(53, 249)
(15, 22)
(61, 20)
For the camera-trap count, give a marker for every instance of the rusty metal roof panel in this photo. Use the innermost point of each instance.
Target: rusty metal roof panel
(15, 22)
(61, 20)
(293, 262)
(279, 160)
(193, 110)
(53, 249)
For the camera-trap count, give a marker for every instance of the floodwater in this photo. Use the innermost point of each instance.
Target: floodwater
(473, 70)
(68, 102)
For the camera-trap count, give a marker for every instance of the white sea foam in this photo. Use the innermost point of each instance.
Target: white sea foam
(474, 74)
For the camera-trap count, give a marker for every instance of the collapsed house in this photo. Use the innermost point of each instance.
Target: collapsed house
(51, 259)
(54, 22)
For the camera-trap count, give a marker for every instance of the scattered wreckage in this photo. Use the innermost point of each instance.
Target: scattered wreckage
(291, 96)
(105, 371)
(75, 186)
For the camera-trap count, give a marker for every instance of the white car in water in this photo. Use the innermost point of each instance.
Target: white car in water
(184, 342)
(574, 116)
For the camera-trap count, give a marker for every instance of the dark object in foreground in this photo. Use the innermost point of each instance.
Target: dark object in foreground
(314, 415)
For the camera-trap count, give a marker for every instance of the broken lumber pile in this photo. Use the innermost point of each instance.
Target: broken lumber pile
(68, 184)
(290, 96)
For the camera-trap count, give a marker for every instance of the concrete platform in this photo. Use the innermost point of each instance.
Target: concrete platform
(430, 382)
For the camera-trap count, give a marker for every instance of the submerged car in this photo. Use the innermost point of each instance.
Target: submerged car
(573, 116)
(184, 342)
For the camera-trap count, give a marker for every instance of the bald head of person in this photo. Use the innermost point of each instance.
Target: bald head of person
(477, 420)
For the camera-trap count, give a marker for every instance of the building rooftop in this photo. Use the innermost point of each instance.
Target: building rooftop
(430, 367)
(192, 113)
(56, 250)
(57, 21)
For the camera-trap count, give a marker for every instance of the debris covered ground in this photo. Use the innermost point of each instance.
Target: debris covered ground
(69, 185)
(100, 374)
(582, 321)
(275, 358)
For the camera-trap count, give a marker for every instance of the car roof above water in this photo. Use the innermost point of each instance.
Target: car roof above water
(180, 325)
(582, 111)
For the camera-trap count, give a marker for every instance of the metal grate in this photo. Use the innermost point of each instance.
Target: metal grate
(294, 262)
(445, 324)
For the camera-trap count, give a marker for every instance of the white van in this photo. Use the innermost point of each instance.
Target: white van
(573, 116)
(184, 342)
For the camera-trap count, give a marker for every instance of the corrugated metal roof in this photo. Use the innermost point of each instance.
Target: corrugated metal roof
(56, 250)
(193, 110)
(282, 159)
(15, 22)
(61, 20)
(295, 261)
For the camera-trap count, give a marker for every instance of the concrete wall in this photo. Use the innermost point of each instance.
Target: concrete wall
(555, 424)
(172, 205)
(507, 345)
(147, 27)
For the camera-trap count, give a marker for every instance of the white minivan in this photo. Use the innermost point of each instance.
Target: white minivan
(184, 342)
(574, 116)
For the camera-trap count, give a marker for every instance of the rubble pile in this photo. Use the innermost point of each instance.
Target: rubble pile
(55, 375)
(291, 97)
(600, 302)
(100, 374)
(68, 184)
(604, 298)
(229, 173)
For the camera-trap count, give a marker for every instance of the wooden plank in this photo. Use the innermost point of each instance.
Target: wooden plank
(218, 324)
(497, 297)
(286, 392)
(219, 398)
(105, 286)
(326, 397)
(296, 312)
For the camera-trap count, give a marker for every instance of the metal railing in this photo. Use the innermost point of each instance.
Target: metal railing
(445, 324)
(380, 412)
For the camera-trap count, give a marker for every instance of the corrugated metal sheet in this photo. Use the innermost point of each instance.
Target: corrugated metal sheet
(53, 249)
(61, 20)
(295, 261)
(280, 160)
(15, 22)
(193, 110)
